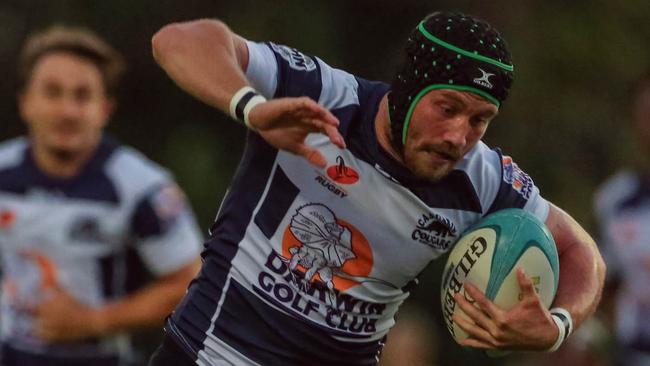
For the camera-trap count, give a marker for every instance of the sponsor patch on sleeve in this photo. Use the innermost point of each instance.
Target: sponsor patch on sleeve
(296, 59)
(168, 203)
(517, 178)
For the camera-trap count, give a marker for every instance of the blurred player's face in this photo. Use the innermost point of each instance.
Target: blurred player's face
(65, 106)
(445, 125)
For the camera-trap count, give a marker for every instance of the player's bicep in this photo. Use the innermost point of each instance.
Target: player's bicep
(565, 230)
(241, 51)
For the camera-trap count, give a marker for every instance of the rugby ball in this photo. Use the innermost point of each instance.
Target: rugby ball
(488, 254)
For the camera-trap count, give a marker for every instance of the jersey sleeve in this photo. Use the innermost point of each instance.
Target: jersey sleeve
(606, 200)
(296, 74)
(166, 233)
(516, 189)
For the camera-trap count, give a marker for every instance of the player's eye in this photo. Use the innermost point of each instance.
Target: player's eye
(52, 91)
(447, 109)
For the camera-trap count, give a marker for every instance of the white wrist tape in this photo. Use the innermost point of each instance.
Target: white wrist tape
(243, 102)
(564, 323)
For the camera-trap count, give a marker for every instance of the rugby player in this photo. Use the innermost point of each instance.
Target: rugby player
(83, 218)
(347, 189)
(623, 212)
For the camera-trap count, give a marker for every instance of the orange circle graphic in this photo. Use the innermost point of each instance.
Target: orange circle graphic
(359, 266)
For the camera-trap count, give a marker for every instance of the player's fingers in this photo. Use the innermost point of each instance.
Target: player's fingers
(312, 155)
(472, 329)
(525, 283)
(475, 314)
(309, 108)
(335, 136)
(476, 343)
(483, 302)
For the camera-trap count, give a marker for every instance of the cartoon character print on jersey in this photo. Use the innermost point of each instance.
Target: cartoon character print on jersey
(327, 245)
(328, 249)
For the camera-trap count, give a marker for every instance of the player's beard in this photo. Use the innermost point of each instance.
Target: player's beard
(432, 162)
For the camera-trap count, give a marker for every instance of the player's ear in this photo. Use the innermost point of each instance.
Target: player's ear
(23, 109)
(108, 106)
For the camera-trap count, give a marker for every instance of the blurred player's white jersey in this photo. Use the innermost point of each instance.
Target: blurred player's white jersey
(308, 265)
(623, 209)
(89, 234)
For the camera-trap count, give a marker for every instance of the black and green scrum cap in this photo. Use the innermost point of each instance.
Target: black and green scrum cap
(449, 51)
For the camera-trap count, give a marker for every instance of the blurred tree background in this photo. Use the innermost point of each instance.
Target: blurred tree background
(566, 121)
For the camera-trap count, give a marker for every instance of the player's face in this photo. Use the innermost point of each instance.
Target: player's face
(445, 125)
(64, 104)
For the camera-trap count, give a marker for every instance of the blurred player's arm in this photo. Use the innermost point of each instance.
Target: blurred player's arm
(150, 305)
(63, 318)
(168, 241)
(207, 60)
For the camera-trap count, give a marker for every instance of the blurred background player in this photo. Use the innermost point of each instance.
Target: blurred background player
(82, 218)
(622, 205)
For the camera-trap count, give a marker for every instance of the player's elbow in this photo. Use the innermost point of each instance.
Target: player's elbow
(176, 38)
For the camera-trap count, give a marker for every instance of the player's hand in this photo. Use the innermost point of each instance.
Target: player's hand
(285, 123)
(61, 318)
(526, 326)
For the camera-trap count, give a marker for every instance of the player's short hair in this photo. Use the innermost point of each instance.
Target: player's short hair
(79, 42)
(448, 51)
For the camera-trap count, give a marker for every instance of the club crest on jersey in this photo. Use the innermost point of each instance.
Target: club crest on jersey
(326, 248)
(87, 229)
(517, 178)
(435, 231)
(322, 256)
(296, 59)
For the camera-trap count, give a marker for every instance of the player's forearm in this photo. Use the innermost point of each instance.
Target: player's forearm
(148, 306)
(582, 274)
(204, 58)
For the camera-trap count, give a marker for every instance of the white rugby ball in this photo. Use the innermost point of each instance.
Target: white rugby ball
(488, 254)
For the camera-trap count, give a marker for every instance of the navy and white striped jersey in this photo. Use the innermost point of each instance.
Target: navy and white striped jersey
(308, 266)
(84, 234)
(622, 205)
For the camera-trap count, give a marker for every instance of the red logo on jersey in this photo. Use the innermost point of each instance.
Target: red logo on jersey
(7, 219)
(341, 173)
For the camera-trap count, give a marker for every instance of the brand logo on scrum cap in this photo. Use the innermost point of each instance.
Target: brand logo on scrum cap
(484, 79)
